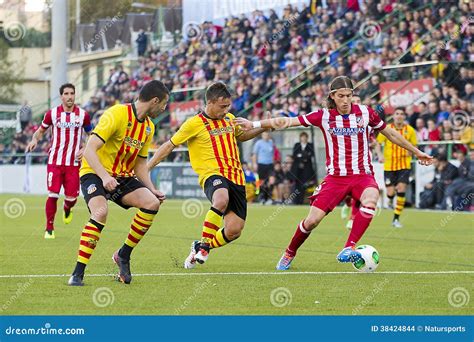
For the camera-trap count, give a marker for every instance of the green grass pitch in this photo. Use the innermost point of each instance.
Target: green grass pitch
(238, 279)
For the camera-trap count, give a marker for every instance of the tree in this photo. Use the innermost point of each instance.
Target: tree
(11, 76)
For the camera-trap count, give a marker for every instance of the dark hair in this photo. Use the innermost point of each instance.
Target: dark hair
(66, 85)
(217, 90)
(339, 82)
(304, 133)
(442, 157)
(402, 109)
(153, 89)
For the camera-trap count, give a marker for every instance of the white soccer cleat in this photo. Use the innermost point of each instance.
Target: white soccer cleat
(203, 254)
(397, 224)
(190, 261)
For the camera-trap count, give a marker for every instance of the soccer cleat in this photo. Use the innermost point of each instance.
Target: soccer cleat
(124, 275)
(345, 212)
(203, 253)
(349, 224)
(397, 224)
(49, 234)
(349, 254)
(76, 280)
(190, 261)
(67, 219)
(285, 262)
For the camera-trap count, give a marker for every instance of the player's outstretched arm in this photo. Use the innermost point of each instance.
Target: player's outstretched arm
(397, 138)
(37, 136)
(275, 123)
(90, 154)
(162, 152)
(247, 135)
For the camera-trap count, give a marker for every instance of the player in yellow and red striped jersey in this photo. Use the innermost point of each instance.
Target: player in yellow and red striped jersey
(212, 139)
(114, 168)
(397, 163)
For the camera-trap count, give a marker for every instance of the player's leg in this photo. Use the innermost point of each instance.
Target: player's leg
(233, 226)
(390, 186)
(217, 192)
(367, 192)
(401, 188)
(71, 191)
(54, 181)
(302, 232)
(94, 195)
(213, 220)
(325, 198)
(148, 205)
(234, 219)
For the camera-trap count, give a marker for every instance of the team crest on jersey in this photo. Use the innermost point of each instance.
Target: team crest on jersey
(216, 182)
(360, 121)
(91, 189)
(148, 130)
(129, 125)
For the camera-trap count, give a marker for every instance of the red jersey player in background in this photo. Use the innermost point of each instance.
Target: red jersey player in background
(67, 121)
(345, 128)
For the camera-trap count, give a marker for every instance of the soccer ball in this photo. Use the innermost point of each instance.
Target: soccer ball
(369, 261)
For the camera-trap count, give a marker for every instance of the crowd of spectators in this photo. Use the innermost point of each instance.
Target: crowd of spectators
(262, 52)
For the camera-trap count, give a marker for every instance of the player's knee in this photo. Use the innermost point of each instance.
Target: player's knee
(220, 203)
(234, 233)
(312, 221)
(151, 204)
(99, 214)
(370, 202)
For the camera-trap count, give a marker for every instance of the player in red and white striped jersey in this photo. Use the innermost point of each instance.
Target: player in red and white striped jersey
(67, 122)
(346, 129)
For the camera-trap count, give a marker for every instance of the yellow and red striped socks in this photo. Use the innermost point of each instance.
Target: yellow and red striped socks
(219, 239)
(399, 205)
(89, 238)
(140, 224)
(211, 225)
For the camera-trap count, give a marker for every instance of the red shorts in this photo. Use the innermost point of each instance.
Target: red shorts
(65, 176)
(333, 189)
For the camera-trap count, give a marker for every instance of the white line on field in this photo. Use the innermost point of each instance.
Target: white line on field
(227, 274)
